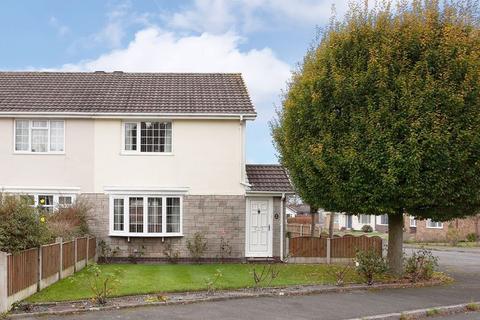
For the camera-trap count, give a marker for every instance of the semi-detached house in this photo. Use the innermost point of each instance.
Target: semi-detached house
(159, 156)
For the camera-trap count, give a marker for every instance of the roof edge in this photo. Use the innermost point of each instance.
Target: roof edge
(122, 115)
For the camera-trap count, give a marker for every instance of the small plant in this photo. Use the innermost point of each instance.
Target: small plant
(225, 249)
(472, 237)
(211, 282)
(370, 264)
(472, 307)
(267, 275)
(453, 235)
(106, 252)
(367, 228)
(136, 254)
(197, 246)
(171, 254)
(340, 274)
(156, 298)
(432, 312)
(421, 265)
(102, 284)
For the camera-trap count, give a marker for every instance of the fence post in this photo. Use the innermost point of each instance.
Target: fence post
(3, 282)
(75, 255)
(86, 257)
(301, 230)
(39, 269)
(329, 251)
(384, 247)
(60, 268)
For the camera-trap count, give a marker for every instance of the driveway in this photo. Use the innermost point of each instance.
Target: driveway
(463, 266)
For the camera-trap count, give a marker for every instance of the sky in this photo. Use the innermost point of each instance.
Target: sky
(262, 39)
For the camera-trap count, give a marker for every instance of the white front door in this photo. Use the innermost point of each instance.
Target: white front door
(259, 227)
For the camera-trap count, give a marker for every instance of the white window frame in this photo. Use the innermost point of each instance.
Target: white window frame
(380, 220)
(138, 151)
(430, 222)
(413, 222)
(126, 217)
(55, 205)
(30, 127)
(365, 215)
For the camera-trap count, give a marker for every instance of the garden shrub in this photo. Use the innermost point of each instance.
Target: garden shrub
(171, 254)
(367, 228)
(225, 249)
(102, 283)
(20, 225)
(421, 265)
(370, 264)
(106, 252)
(453, 235)
(69, 222)
(197, 246)
(472, 237)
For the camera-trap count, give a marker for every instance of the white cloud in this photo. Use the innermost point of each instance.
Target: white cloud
(219, 16)
(61, 29)
(155, 50)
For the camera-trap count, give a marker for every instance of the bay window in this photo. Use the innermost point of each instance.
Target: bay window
(147, 137)
(139, 215)
(39, 136)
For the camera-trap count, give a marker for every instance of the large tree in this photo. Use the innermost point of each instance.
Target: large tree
(383, 115)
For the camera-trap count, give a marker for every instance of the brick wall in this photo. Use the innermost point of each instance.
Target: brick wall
(423, 234)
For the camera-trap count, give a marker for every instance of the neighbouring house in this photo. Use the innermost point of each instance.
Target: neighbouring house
(344, 221)
(427, 230)
(159, 156)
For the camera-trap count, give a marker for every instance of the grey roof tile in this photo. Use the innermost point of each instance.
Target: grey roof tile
(268, 177)
(118, 92)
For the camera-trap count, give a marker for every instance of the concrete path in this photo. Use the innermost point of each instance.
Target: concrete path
(465, 267)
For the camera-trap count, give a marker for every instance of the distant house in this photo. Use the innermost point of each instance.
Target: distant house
(428, 230)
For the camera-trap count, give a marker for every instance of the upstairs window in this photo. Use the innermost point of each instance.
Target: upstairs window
(39, 136)
(147, 137)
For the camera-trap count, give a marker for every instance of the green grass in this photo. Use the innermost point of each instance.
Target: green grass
(145, 279)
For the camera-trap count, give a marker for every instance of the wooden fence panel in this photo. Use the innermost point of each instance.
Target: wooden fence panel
(308, 247)
(81, 249)
(22, 270)
(92, 247)
(68, 256)
(50, 260)
(346, 247)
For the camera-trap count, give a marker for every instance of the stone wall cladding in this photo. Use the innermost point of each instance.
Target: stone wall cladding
(215, 216)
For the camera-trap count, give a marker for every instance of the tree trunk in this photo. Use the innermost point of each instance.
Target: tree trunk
(313, 212)
(395, 243)
(477, 227)
(331, 224)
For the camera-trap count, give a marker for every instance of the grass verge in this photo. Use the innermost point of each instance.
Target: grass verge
(144, 279)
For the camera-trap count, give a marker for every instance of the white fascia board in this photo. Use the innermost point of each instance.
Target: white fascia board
(122, 115)
(151, 190)
(39, 189)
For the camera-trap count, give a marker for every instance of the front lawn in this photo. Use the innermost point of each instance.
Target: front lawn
(144, 279)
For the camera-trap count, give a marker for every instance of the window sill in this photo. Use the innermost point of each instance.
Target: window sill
(39, 153)
(382, 224)
(145, 235)
(125, 153)
(435, 227)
